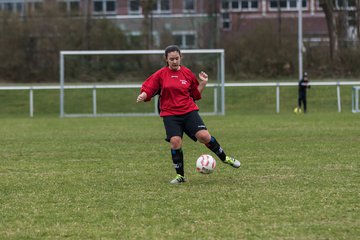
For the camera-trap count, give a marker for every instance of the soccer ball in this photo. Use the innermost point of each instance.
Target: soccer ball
(297, 110)
(205, 164)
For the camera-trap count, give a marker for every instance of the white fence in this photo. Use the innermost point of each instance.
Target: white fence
(277, 85)
(355, 99)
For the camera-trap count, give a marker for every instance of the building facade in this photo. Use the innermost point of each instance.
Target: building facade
(193, 23)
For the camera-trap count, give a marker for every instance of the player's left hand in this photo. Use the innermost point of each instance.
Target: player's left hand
(203, 76)
(141, 97)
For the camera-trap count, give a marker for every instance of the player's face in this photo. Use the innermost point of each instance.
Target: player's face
(173, 59)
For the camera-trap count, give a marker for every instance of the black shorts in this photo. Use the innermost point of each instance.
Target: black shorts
(189, 123)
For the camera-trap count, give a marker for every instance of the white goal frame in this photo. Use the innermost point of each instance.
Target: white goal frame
(355, 99)
(219, 86)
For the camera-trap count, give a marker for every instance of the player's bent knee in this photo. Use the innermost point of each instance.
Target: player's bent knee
(175, 142)
(203, 136)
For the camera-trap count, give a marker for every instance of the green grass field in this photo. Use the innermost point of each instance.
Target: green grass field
(108, 178)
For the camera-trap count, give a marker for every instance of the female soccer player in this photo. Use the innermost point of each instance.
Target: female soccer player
(178, 88)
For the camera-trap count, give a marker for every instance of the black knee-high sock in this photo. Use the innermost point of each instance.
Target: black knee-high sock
(178, 160)
(215, 147)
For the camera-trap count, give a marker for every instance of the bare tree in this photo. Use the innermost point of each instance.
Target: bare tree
(328, 8)
(87, 25)
(147, 6)
(213, 12)
(357, 19)
(279, 22)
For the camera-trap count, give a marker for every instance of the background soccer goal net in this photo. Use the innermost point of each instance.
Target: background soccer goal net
(106, 83)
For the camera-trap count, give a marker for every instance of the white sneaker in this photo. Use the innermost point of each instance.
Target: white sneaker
(232, 161)
(178, 179)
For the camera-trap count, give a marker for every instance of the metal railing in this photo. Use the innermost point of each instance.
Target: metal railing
(277, 85)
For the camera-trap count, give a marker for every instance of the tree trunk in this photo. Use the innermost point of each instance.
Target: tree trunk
(357, 19)
(213, 12)
(148, 22)
(330, 15)
(279, 23)
(87, 25)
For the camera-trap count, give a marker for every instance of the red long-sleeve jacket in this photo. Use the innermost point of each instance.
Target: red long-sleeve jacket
(178, 90)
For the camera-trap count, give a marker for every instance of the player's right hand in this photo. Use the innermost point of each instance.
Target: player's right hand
(203, 76)
(141, 97)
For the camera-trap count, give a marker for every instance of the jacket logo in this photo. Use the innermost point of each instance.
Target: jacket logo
(183, 81)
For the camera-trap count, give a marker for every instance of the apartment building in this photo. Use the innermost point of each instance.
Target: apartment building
(193, 23)
(242, 15)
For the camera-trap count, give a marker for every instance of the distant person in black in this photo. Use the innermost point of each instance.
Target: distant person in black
(303, 85)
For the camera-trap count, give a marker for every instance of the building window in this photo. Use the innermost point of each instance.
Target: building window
(185, 39)
(286, 4)
(240, 5)
(18, 6)
(106, 7)
(226, 21)
(161, 6)
(38, 6)
(110, 6)
(235, 5)
(134, 7)
(225, 5)
(71, 7)
(345, 5)
(9, 7)
(98, 7)
(189, 5)
(74, 6)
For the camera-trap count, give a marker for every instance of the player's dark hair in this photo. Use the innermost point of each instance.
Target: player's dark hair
(171, 48)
